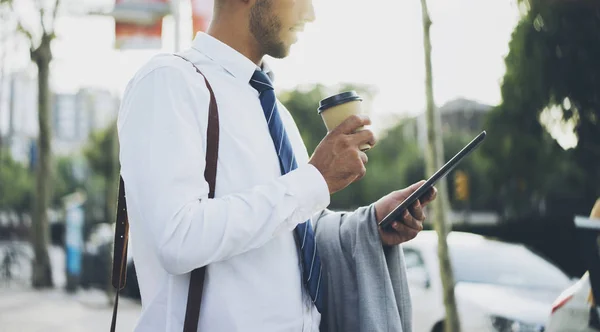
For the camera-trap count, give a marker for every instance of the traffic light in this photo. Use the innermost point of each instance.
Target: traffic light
(461, 185)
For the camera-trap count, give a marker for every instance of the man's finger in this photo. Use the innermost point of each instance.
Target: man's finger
(413, 187)
(416, 210)
(406, 231)
(365, 136)
(411, 222)
(402, 194)
(352, 123)
(428, 197)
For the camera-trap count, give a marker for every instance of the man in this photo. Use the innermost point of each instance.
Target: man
(258, 279)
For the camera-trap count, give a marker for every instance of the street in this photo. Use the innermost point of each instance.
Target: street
(26, 310)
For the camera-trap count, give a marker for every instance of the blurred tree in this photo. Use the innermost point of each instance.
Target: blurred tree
(3, 55)
(303, 103)
(482, 195)
(552, 62)
(112, 195)
(64, 179)
(16, 184)
(7, 30)
(102, 154)
(40, 37)
(97, 151)
(434, 159)
(395, 162)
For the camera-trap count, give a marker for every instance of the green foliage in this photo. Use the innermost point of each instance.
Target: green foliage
(64, 180)
(16, 184)
(482, 195)
(95, 206)
(396, 162)
(100, 186)
(303, 105)
(97, 151)
(553, 57)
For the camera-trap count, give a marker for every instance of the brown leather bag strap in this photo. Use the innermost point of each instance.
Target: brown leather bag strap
(192, 311)
(119, 271)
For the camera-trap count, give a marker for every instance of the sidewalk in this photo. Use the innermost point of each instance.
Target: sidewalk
(26, 310)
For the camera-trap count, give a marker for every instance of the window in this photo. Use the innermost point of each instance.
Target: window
(413, 258)
(415, 269)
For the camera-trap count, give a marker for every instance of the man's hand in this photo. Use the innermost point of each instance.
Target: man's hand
(338, 157)
(412, 219)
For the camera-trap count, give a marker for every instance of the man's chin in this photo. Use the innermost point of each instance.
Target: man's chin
(280, 52)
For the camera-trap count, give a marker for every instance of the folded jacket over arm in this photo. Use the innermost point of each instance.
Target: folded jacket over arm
(366, 285)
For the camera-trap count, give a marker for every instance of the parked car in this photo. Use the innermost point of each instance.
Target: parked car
(500, 286)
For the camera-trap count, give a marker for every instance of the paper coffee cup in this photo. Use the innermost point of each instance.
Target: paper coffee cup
(337, 108)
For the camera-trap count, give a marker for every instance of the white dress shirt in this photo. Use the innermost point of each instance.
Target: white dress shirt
(245, 234)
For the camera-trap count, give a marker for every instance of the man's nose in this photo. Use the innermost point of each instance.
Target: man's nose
(310, 13)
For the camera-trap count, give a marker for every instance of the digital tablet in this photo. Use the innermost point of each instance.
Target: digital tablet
(396, 214)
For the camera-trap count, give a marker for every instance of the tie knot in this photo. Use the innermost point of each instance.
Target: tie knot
(261, 82)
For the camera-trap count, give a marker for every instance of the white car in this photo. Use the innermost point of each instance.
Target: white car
(500, 287)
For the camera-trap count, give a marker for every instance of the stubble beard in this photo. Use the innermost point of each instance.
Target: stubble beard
(265, 28)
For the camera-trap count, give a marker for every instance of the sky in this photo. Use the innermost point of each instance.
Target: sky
(376, 42)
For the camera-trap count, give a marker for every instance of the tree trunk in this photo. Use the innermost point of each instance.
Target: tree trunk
(2, 79)
(434, 158)
(42, 271)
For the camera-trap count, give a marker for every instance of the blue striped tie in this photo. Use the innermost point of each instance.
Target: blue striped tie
(311, 263)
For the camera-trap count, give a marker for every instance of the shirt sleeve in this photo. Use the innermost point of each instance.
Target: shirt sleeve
(162, 136)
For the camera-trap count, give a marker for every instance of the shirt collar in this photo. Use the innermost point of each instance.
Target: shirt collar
(235, 63)
(267, 70)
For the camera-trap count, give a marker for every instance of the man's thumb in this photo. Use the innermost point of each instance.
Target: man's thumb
(415, 186)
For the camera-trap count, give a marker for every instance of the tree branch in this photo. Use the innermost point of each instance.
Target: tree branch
(40, 8)
(24, 31)
(54, 14)
(42, 14)
(55, 11)
(20, 27)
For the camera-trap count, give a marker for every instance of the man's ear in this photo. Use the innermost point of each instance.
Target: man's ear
(220, 4)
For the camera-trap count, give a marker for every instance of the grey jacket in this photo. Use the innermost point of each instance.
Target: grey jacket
(366, 287)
